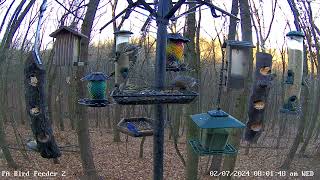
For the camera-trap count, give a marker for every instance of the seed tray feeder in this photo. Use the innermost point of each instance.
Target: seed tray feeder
(153, 96)
(202, 151)
(93, 102)
(177, 68)
(214, 132)
(136, 127)
(97, 90)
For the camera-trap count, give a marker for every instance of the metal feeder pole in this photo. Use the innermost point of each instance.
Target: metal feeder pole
(160, 70)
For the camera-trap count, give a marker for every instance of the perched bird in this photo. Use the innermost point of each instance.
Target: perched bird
(132, 128)
(32, 145)
(184, 82)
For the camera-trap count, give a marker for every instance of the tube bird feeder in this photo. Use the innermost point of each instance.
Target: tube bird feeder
(97, 90)
(294, 72)
(237, 64)
(174, 52)
(214, 131)
(122, 58)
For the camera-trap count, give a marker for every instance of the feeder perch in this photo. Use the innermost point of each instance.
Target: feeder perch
(122, 58)
(136, 127)
(67, 46)
(259, 96)
(214, 134)
(174, 52)
(237, 64)
(97, 90)
(294, 73)
(153, 96)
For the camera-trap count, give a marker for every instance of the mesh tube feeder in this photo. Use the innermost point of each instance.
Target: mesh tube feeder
(294, 73)
(259, 95)
(174, 52)
(236, 63)
(97, 90)
(214, 132)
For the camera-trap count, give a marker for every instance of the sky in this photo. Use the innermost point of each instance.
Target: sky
(136, 20)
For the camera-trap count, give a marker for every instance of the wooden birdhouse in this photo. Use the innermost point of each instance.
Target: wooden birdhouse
(237, 63)
(67, 46)
(122, 60)
(294, 72)
(214, 131)
(259, 96)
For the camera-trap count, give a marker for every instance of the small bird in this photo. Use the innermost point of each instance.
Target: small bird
(32, 145)
(132, 128)
(184, 82)
(124, 72)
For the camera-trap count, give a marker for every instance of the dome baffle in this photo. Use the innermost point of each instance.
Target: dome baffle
(214, 135)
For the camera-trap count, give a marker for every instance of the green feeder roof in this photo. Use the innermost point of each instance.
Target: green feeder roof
(295, 33)
(95, 76)
(177, 37)
(216, 119)
(238, 44)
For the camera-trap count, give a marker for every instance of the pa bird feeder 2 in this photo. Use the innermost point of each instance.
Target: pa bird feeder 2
(97, 90)
(214, 131)
(294, 72)
(67, 46)
(237, 63)
(122, 59)
(174, 52)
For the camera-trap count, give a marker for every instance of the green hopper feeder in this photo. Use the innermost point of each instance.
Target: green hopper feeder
(214, 127)
(97, 90)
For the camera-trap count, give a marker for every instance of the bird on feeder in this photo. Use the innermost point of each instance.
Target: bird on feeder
(132, 128)
(184, 82)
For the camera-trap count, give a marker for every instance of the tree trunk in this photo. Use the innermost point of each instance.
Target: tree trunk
(80, 111)
(193, 108)
(217, 159)
(242, 100)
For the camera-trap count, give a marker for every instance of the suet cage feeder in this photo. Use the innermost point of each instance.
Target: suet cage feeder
(174, 52)
(97, 90)
(237, 63)
(259, 95)
(294, 73)
(122, 58)
(214, 131)
(153, 96)
(67, 46)
(140, 126)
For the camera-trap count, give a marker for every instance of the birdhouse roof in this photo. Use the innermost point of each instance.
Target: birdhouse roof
(216, 119)
(64, 29)
(238, 44)
(95, 76)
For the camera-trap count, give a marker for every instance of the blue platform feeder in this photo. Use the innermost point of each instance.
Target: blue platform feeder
(97, 90)
(214, 127)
